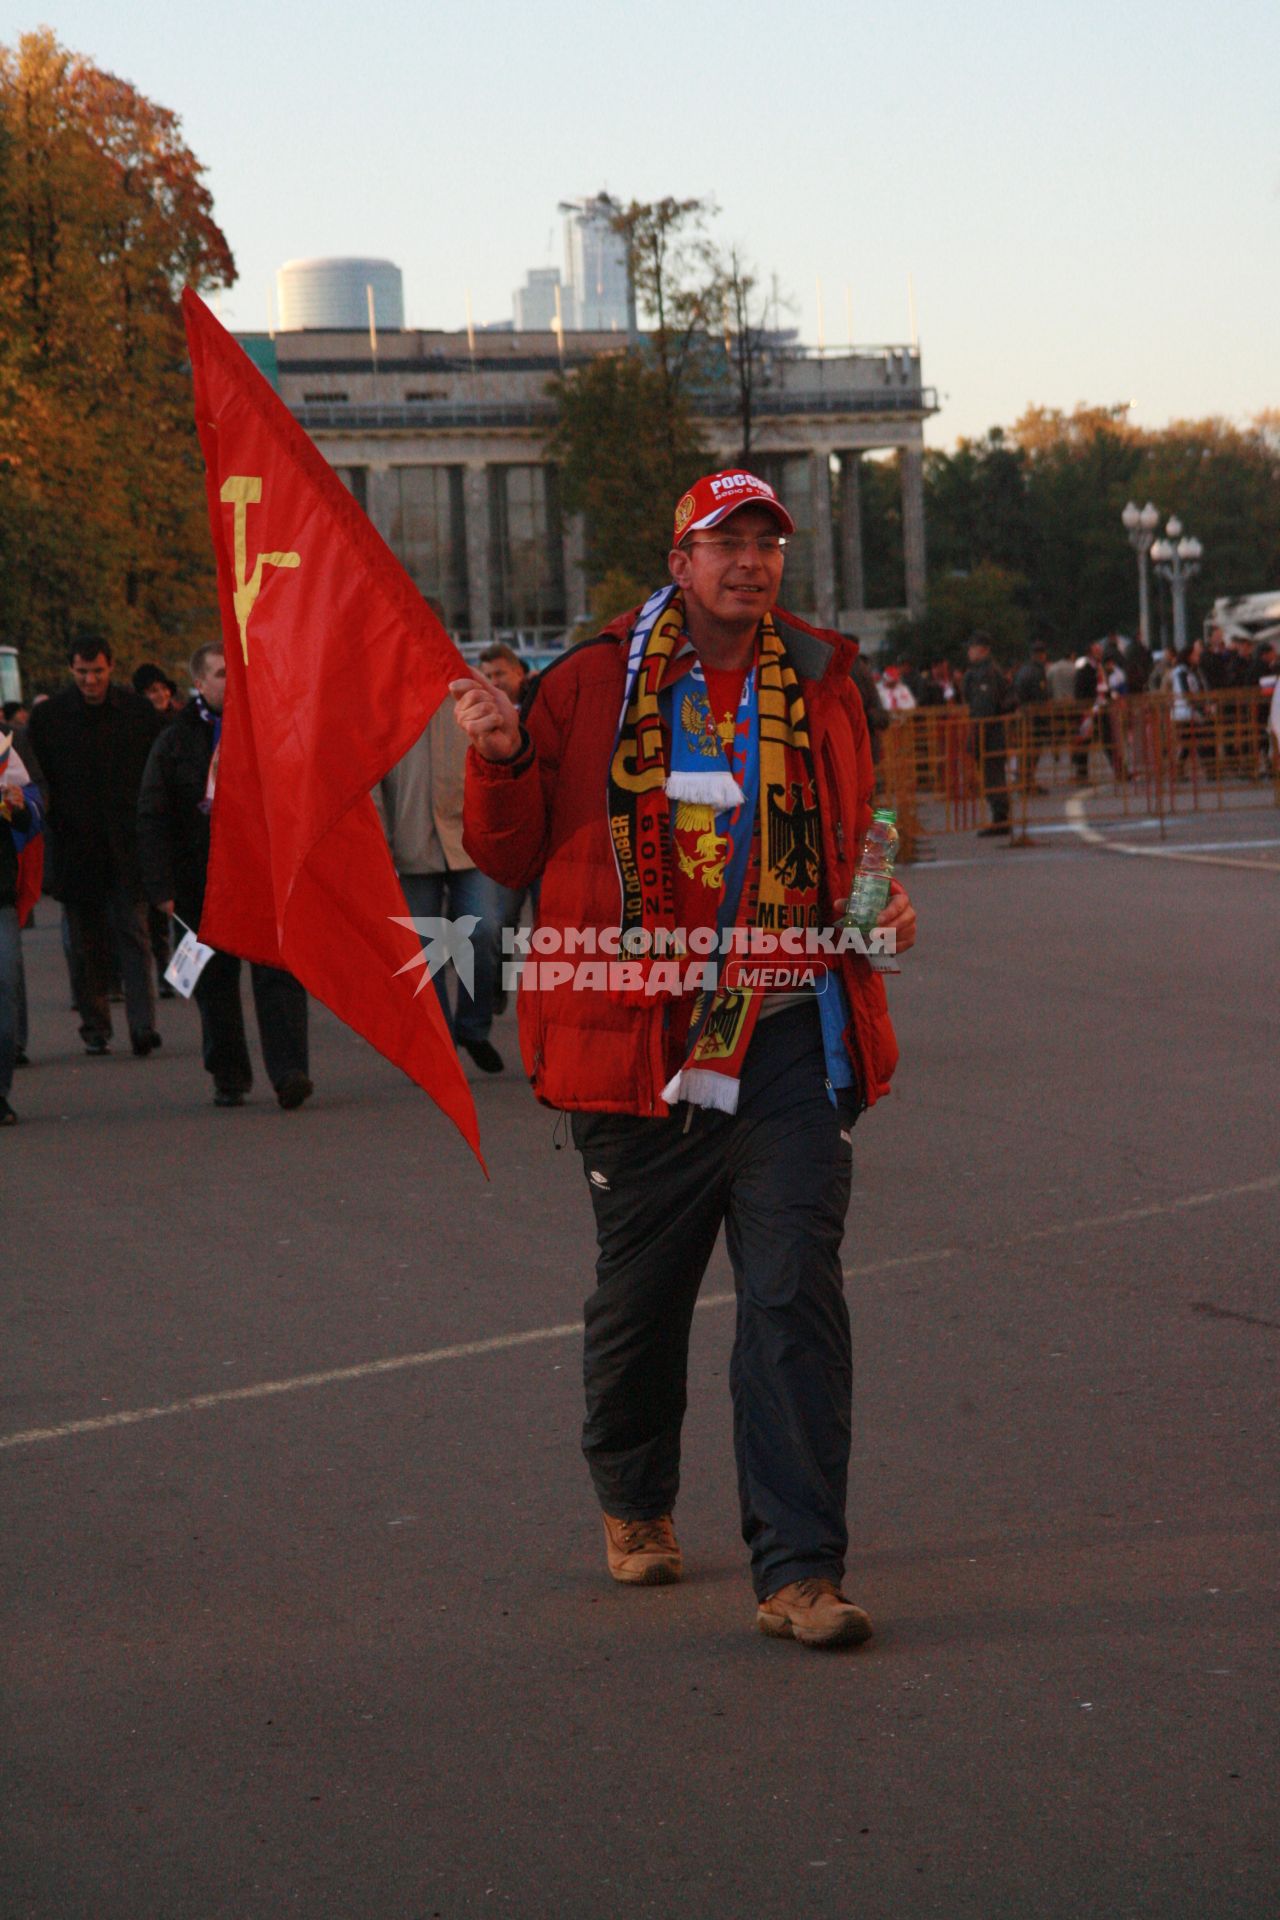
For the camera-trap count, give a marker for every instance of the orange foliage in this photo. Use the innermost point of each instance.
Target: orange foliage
(104, 218)
(1042, 428)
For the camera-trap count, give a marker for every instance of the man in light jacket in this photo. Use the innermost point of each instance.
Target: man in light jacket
(421, 806)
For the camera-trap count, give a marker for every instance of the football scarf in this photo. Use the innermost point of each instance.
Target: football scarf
(748, 815)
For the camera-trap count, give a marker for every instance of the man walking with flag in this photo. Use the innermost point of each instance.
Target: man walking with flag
(703, 766)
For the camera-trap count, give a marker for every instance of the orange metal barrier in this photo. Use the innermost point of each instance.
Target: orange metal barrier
(948, 773)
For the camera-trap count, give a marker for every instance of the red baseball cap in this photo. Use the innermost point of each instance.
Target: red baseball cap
(717, 495)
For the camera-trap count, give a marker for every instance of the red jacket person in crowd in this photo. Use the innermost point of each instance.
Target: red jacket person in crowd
(697, 782)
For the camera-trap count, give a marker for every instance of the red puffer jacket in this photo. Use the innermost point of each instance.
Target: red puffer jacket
(545, 814)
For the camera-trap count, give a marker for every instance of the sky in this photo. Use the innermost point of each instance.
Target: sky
(1086, 197)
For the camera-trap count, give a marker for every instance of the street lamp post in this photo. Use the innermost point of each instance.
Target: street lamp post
(1176, 558)
(1140, 524)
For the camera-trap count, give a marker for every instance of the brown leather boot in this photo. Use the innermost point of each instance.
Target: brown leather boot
(643, 1553)
(816, 1613)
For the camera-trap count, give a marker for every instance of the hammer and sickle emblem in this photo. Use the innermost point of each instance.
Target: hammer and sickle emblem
(241, 491)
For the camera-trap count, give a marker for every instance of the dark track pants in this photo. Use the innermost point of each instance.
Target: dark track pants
(281, 1006)
(105, 936)
(995, 777)
(777, 1175)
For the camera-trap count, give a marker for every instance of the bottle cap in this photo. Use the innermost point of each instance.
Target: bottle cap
(886, 813)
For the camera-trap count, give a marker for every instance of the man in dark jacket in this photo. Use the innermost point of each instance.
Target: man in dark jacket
(873, 707)
(92, 741)
(1031, 681)
(1031, 689)
(1215, 661)
(703, 765)
(1092, 688)
(1138, 665)
(174, 809)
(155, 685)
(988, 697)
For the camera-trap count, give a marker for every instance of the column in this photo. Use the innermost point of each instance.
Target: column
(854, 595)
(824, 581)
(575, 569)
(476, 496)
(913, 529)
(382, 503)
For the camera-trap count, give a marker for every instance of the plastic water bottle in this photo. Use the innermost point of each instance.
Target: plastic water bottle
(874, 871)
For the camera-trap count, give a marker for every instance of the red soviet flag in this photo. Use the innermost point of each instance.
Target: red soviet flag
(335, 663)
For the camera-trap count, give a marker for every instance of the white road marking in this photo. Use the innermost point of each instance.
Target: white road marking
(568, 1330)
(265, 1389)
(1069, 826)
(1227, 846)
(1026, 855)
(1078, 820)
(1065, 1228)
(1082, 839)
(1157, 1210)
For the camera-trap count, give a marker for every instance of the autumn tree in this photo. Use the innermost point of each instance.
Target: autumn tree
(1039, 505)
(104, 218)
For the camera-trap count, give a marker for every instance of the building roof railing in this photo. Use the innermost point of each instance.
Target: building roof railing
(437, 343)
(356, 417)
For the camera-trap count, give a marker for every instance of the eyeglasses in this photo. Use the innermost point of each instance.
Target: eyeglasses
(732, 546)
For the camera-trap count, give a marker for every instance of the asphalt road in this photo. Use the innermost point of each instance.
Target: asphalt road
(347, 1648)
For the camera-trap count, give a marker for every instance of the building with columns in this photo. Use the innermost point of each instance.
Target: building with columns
(440, 436)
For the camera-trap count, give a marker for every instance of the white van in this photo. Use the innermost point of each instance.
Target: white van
(1249, 616)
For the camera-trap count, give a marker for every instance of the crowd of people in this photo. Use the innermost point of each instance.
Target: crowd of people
(106, 793)
(702, 764)
(1088, 687)
(115, 783)
(1118, 665)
